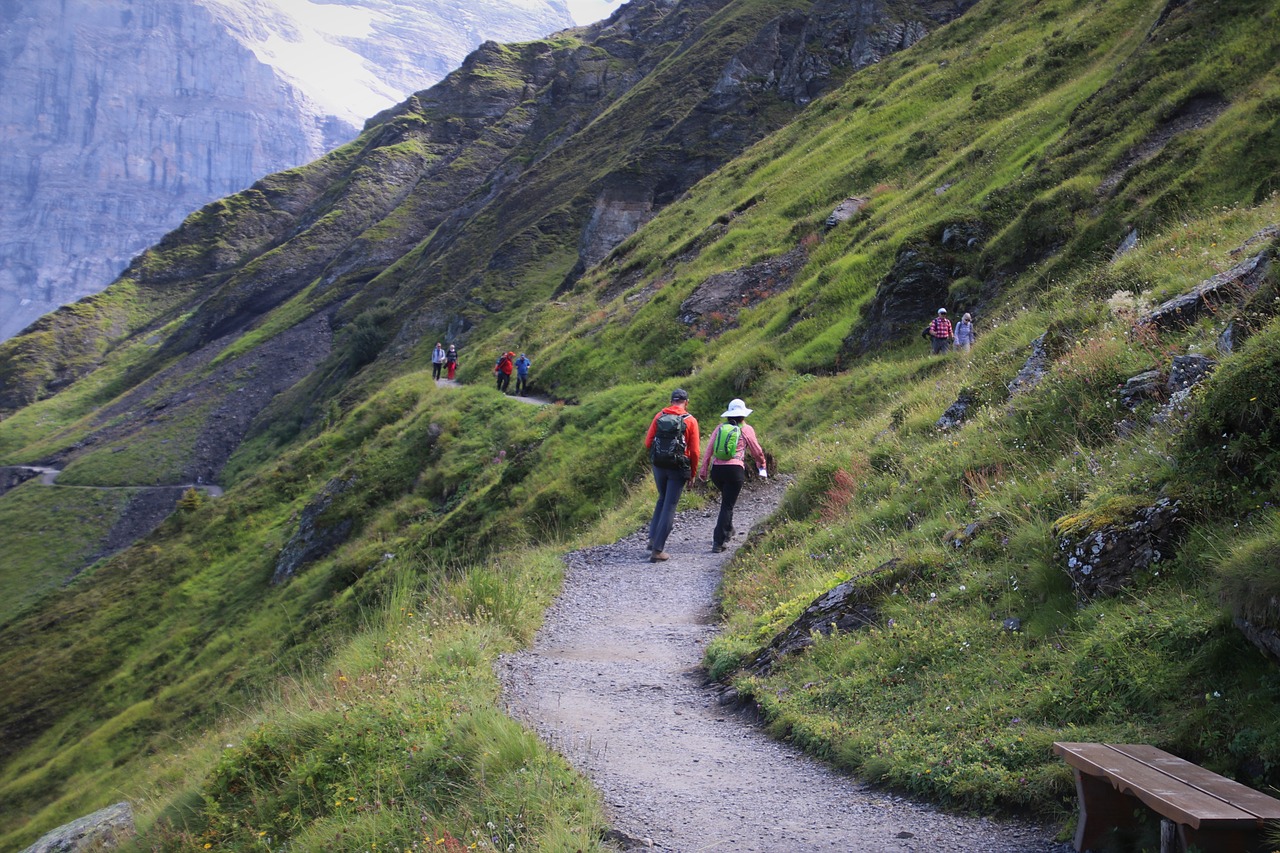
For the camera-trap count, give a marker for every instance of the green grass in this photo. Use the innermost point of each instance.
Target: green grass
(62, 527)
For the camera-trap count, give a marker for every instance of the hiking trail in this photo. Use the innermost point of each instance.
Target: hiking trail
(612, 681)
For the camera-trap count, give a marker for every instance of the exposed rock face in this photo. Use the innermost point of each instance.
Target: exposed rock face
(1231, 286)
(1103, 556)
(957, 412)
(1037, 364)
(1265, 638)
(316, 535)
(106, 829)
(123, 116)
(713, 307)
(846, 607)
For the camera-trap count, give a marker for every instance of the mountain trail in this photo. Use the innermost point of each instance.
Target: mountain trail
(612, 681)
(532, 399)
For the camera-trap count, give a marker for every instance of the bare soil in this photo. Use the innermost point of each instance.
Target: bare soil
(613, 682)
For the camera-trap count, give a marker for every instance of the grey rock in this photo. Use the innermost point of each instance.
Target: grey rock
(1267, 639)
(905, 300)
(1034, 369)
(846, 607)
(1231, 286)
(846, 210)
(957, 412)
(106, 829)
(1105, 560)
(1137, 389)
(714, 305)
(1187, 370)
(1127, 245)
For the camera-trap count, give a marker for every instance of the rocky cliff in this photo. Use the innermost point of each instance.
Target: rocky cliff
(123, 116)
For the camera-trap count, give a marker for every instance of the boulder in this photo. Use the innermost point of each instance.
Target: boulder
(846, 607)
(1106, 548)
(1231, 286)
(1138, 389)
(957, 411)
(106, 829)
(845, 211)
(1187, 370)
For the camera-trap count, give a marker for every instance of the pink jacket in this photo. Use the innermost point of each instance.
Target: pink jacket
(748, 442)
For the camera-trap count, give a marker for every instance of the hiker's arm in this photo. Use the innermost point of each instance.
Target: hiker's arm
(706, 455)
(653, 429)
(693, 445)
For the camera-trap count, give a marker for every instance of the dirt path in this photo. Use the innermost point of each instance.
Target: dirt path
(531, 399)
(611, 681)
(49, 475)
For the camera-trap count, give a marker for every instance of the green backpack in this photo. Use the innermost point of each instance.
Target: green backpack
(726, 446)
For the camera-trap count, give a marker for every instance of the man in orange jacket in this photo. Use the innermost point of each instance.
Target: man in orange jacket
(672, 442)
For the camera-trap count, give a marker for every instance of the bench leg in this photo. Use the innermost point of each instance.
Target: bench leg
(1169, 840)
(1102, 808)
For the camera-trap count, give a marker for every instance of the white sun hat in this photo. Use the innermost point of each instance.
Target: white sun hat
(737, 409)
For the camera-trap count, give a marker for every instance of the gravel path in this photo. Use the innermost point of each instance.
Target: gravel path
(612, 682)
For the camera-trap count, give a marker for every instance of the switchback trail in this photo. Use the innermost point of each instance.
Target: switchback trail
(612, 682)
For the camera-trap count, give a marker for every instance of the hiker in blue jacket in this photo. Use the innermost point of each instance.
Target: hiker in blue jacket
(522, 374)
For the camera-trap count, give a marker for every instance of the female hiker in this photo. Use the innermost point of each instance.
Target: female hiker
(726, 456)
(451, 360)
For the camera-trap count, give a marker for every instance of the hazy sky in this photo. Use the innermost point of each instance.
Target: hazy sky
(590, 11)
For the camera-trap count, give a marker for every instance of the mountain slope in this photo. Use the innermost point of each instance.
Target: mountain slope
(126, 116)
(999, 164)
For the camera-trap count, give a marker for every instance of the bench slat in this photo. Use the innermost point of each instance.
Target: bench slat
(1241, 796)
(1153, 776)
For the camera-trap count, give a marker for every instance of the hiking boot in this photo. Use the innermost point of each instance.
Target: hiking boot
(717, 549)
(659, 556)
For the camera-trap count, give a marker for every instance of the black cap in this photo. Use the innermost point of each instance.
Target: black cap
(678, 395)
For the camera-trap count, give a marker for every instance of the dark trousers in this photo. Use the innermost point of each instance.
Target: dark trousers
(504, 379)
(940, 345)
(521, 383)
(670, 483)
(435, 369)
(729, 480)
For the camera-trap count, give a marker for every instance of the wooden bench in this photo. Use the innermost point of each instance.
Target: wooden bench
(1199, 808)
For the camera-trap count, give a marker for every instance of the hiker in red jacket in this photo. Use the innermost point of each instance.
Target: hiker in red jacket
(502, 370)
(940, 332)
(672, 442)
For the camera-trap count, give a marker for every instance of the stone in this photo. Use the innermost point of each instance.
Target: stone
(1231, 286)
(845, 211)
(1138, 389)
(1034, 369)
(846, 607)
(1267, 639)
(956, 412)
(1127, 245)
(106, 829)
(1188, 370)
(1104, 556)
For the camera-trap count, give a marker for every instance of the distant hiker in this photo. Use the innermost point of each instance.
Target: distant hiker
(726, 456)
(939, 332)
(451, 361)
(522, 374)
(502, 370)
(437, 361)
(672, 442)
(964, 333)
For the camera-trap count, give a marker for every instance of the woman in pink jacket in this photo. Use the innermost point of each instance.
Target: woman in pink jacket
(726, 458)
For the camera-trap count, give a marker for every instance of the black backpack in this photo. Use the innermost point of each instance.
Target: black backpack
(668, 447)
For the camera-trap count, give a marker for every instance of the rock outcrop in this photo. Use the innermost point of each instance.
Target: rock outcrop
(106, 829)
(317, 534)
(1106, 549)
(123, 116)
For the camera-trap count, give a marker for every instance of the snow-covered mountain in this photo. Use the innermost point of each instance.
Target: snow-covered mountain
(120, 117)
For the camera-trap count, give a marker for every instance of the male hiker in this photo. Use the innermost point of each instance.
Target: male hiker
(939, 332)
(672, 442)
(522, 374)
(437, 361)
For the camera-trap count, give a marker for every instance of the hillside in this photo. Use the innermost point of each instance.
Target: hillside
(124, 116)
(639, 203)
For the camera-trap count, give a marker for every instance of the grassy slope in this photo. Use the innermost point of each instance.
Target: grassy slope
(939, 700)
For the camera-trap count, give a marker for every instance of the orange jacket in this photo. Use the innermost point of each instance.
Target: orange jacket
(691, 441)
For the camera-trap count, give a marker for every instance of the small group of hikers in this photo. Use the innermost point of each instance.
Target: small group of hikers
(941, 335)
(677, 458)
(507, 364)
(442, 358)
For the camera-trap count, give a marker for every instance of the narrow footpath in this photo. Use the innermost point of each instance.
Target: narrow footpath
(612, 682)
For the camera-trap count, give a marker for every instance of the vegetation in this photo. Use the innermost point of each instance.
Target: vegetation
(354, 702)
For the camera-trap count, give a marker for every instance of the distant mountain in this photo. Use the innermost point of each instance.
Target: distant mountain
(123, 116)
